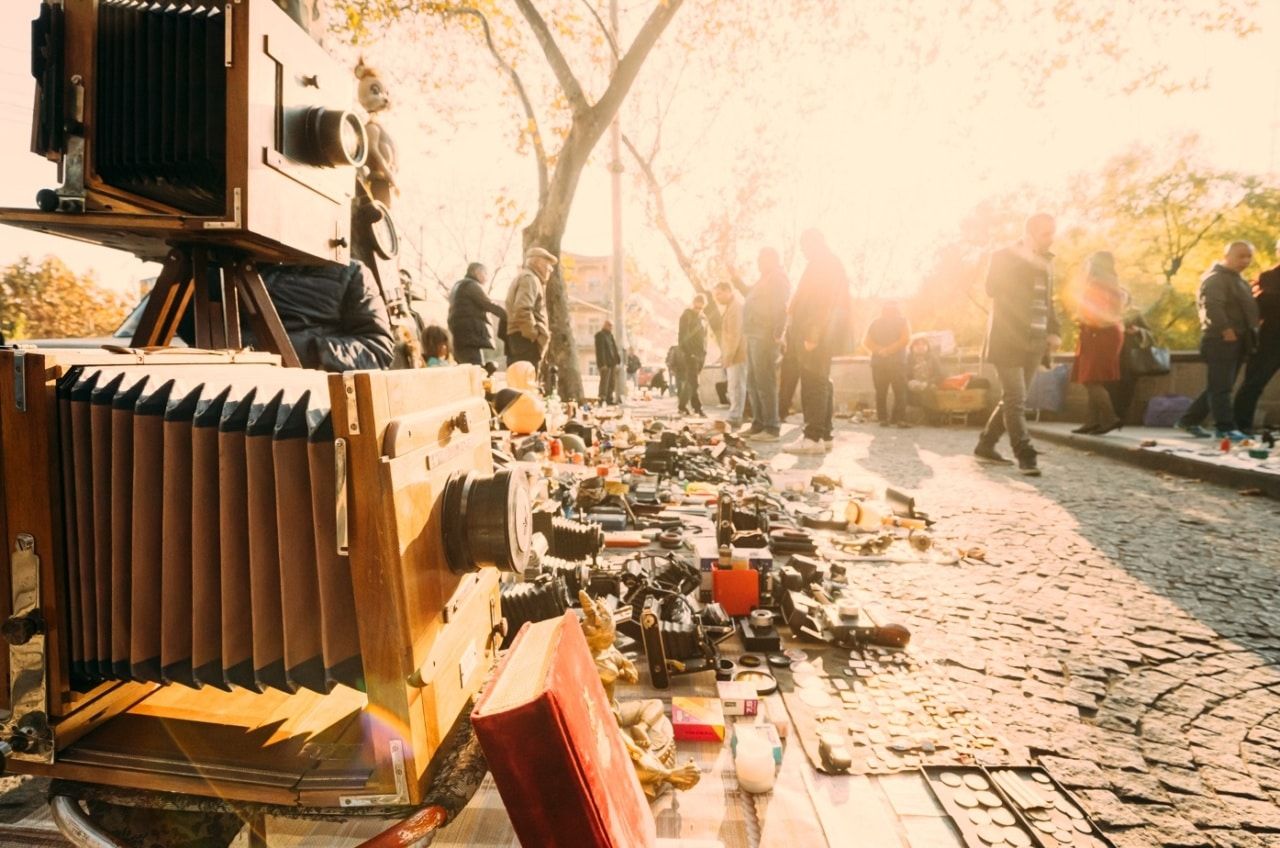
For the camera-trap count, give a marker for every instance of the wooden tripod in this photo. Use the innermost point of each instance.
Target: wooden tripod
(217, 307)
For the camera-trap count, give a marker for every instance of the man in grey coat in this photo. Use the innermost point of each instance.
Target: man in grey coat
(527, 331)
(1228, 334)
(1023, 333)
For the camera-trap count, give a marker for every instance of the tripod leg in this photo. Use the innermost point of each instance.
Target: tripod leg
(267, 327)
(168, 300)
(204, 312)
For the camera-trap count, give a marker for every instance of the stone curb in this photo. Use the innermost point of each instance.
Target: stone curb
(1236, 478)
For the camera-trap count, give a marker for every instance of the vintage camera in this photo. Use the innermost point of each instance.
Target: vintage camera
(192, 123)
(247, 582)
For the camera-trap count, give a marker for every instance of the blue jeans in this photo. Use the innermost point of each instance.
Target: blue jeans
(762, 383)
(1222, 360)
(1010, 413)
(817, 395)
(736, 376)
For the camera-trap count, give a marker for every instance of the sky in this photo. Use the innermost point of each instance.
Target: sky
(886, 166)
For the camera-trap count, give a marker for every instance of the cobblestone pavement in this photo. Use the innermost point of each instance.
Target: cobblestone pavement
(1125, 627)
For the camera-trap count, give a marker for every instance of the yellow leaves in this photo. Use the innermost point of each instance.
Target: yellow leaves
(48, 300)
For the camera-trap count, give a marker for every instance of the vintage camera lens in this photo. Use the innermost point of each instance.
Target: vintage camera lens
(488, 521)
(335, 138)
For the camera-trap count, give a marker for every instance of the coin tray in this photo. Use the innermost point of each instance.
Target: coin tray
(1066, 818)
(984, 817)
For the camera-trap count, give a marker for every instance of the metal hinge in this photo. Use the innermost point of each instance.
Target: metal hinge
(340, 495)
(353, 414)
(234, 223)
(402, 784)
(20, 381)
(228, 56)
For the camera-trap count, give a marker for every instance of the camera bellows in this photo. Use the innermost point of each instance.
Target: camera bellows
(201, 531)
(161, 93)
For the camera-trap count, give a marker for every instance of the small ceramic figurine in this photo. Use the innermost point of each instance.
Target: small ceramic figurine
(646, 730)
(380, 166)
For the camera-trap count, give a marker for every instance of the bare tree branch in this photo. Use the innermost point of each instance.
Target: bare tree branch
(663, 223)
(535, 133)
(555, 57)
(630, 64)
(605, 30)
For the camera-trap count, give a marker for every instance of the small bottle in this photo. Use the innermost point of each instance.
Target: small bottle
(726, 557)
(1225, 447)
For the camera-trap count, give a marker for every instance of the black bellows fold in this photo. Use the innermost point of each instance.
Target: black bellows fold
(201, 532)
(161, 100)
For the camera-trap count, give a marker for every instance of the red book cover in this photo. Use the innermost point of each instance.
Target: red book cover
(554, 746)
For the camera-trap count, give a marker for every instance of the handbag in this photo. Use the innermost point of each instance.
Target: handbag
(1150, 361)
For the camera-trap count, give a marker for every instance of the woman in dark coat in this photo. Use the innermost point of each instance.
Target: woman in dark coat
(1099, 307)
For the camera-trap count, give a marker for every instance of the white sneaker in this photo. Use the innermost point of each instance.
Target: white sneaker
(807, 446)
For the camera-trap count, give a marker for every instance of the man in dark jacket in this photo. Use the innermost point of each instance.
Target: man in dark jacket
(607, 362)
(693, 354)
(469, 311)
(1265, 361)
(818, 318)
(1022, 334)
(1228, 330)
(763, 323)
(334, 314)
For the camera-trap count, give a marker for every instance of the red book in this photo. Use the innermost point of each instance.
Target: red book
(554, 746)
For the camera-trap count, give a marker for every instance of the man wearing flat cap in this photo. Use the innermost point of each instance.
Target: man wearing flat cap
(527, 329)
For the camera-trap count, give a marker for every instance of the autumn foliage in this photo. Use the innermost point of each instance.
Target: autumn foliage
(48, 300)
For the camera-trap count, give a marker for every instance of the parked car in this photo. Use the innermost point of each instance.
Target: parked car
(122, 336)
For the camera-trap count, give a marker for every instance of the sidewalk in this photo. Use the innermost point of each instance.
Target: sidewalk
(1174, 452)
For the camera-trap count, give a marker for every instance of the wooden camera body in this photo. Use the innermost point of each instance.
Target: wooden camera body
(232, 579)
(188, 123)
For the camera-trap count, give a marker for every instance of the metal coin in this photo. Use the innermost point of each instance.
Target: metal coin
(991, 834)
(1064, 836)
(749, 660)
(779, 660)
(1037, 814)
(979, 817)
(976, 782)
(1016, 837)
(950, 778)
(964, 798)
(1002, 817)
(1067, 807)
(795, 654)
(989, 799)
(1081, 826)
(1040, 777)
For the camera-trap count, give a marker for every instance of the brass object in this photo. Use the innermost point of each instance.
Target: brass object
(26, 730)
(646, 730)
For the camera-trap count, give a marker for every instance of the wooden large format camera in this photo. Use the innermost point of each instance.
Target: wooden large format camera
(227, 578)
(233, 579)
(192, 122)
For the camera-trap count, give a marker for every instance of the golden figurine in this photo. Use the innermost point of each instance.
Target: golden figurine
(646, 730)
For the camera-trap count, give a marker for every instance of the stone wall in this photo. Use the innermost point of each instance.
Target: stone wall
(853, 387)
